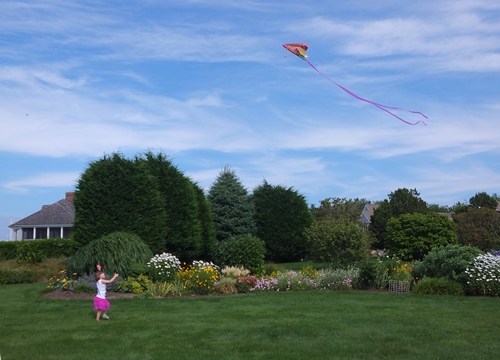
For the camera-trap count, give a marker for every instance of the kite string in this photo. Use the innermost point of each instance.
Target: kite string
(380, 106)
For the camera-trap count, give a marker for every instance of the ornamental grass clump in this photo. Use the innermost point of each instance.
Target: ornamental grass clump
(483, 276)
(164, 267)
(159, 290)
(235, 271)
(434, 286)
(226, 285)
(337, 279)
(199, 277)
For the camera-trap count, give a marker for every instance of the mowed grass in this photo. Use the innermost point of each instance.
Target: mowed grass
(299, 325)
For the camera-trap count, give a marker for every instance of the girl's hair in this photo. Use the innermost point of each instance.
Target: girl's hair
(98, 275)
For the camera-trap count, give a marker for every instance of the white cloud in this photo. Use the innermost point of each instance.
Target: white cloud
(53, 179)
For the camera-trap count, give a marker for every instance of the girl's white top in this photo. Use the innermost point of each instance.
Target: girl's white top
(101, 290)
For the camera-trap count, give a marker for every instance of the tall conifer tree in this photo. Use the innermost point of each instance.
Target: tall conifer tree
(232, 207)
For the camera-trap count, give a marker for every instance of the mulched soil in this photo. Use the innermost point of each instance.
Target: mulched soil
(69, 295)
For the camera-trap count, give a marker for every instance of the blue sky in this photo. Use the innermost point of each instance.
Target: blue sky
(208, 83)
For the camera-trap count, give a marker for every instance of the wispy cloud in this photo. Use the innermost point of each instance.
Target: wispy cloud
(54, 179)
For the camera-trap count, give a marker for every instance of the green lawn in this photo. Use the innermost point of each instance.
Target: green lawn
(300, 325)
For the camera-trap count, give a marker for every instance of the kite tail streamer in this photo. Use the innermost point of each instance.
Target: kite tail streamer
(380, 106)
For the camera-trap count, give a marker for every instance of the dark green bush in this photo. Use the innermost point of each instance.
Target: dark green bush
(8, 250)
(368, 270)
(17, 276)
(244, 250)
(116, 252)
(434, 286)
(448, 262)
(138, 269)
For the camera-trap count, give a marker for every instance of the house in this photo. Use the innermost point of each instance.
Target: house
(52, 221)
(367, 213)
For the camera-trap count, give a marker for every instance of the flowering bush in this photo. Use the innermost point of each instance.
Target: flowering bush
(338, 279)
(483, 276)
(287, 281)
(245, 283)
(61, 282)
(202, 265)
(164, 267)
(402, 272)
(310, 272)
(199, 277)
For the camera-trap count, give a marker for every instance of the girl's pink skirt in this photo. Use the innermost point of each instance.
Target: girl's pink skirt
(101, 304)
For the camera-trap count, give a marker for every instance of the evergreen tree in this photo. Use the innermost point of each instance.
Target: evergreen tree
(113, 194)
(180, 202)
(232, 208)
(281, 216)
(207, 224)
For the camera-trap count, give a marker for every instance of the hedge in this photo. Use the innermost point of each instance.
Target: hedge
(17, 276)
(48, 248)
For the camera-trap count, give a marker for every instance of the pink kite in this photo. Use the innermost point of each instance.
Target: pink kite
(300, 50)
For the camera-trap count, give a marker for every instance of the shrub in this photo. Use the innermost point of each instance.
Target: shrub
(28, 252)
(139, 269)
(245, 283)
(226, 285)
(483, 276)
(448, 262)
(310, 272)
(55, 248)
(246, 250)
(48, 248)
(337, 241)
(270, 268)
(17, 276)
(116, 252)
(337, 279)
(136, 285)
(164, 267)
(434, 286)
(198, 278)
(368, 271)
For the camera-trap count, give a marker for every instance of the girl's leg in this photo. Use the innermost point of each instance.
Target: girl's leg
(98, 315)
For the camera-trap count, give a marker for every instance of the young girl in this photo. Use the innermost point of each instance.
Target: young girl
(100, 303)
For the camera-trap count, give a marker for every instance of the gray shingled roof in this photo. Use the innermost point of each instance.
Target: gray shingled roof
(59, 213)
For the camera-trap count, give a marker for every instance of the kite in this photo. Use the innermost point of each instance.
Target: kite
(300, 50)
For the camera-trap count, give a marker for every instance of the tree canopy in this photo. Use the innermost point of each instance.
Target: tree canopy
(232, 207)
(479, 227)
(402, 201)
(147, 196)
(281, 216)
(412, 236)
